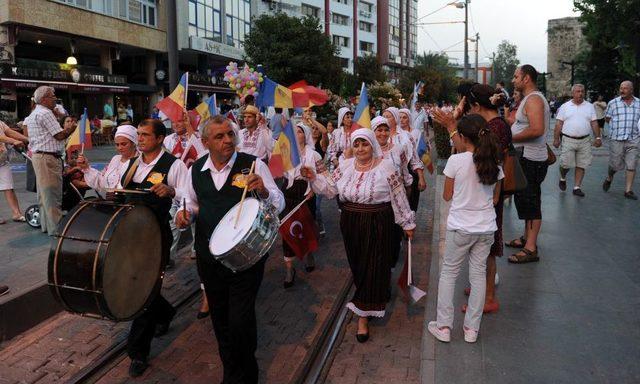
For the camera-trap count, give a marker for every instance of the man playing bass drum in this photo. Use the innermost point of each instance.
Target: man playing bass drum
(214, 185)
(159, 172)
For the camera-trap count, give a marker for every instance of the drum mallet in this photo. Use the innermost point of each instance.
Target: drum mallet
(244, 194)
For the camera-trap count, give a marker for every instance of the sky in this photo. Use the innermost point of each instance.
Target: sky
(521, 22)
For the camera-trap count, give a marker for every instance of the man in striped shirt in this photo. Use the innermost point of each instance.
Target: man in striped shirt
(47, 138)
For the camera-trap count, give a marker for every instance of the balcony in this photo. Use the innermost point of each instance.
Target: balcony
(365, 14)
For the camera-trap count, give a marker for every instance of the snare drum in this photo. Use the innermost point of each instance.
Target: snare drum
(241, 247)
(106, 260)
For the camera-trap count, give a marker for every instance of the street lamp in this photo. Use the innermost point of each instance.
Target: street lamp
(465, 4)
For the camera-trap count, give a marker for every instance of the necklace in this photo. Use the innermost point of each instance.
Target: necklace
(363, 167)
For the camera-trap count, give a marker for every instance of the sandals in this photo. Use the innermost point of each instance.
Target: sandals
(3, 221)
(524, 256)
(516, 243)
(19, 219)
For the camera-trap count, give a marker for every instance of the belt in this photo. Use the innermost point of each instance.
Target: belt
(54, 154)
(575, 137)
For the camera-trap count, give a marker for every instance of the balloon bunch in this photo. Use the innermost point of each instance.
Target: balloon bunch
(244, 82)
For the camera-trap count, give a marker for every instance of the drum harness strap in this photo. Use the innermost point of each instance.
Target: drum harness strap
(131, 172)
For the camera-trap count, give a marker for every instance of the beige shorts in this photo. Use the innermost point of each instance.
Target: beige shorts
(623, 154)
(6, 178)
(575, 153)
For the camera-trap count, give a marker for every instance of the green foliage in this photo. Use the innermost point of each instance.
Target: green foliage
(505, 63)
(442, 141)
(612, 29)
(384, 95)
(434, 71)
(369, 69)
(292, 49)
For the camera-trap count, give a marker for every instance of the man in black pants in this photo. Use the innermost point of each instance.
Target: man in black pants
(214, 185)
(158, 171)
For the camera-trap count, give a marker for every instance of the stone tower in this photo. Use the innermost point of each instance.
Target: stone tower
(564, 41)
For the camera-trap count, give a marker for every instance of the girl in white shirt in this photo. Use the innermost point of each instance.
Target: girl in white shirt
(472, 186)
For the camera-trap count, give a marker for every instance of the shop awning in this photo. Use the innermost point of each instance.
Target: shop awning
(66, 85)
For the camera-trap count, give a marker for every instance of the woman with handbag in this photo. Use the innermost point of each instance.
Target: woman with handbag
(484, 100)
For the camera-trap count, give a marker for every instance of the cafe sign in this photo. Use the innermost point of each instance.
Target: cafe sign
(213, 47)
(48, 71)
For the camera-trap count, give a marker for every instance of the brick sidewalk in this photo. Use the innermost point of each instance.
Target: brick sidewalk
(288, 322)
(392, 354)
(61, 346)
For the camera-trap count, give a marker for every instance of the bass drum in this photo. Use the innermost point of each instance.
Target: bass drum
(106, 260)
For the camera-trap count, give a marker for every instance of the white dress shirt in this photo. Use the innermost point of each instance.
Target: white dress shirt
(577, 118)
(176, 177)
(219, 177)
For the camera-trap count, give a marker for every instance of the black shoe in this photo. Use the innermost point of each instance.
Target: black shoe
(311, 263)
(289, 284)
(162, 329)
(562, 184)
(606, 185)
(578, 192)
(137, 367)
(362, 338)
(4, 290)
(630, 195)
(202, 315)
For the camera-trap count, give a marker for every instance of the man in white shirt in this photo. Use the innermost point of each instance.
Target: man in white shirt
(255, 139)
(47, 142)
(214, 185)
(575, 121)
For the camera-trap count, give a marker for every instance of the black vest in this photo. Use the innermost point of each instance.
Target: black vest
(213, 203)
(161, 206)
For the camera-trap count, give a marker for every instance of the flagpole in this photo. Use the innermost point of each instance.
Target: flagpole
(294, 210)
(186, 90)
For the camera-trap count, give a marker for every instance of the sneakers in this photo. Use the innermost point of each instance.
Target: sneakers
(470, 335)
(562, 184)
(442, 334)
(630, 195)
(578, 192)
(4, 290)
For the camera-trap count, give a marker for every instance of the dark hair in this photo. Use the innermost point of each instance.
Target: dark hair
(249, 99)
(158, 128)
(486, 156)
(278, 110)
(464, 87)
(501, 83)
(529, 70)
(482, 94)
(63, 118)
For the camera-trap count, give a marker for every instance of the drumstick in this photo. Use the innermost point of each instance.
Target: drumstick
(244, 194)
(82, 149)
(184, 208)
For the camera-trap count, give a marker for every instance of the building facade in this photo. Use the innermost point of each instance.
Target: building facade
(564, 41)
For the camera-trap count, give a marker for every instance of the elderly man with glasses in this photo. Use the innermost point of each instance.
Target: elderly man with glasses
(47, 140)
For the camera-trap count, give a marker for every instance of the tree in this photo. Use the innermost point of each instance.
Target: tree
(369, 69)
(434, 71)
(301, 50)
(612, 29)
(505, 63)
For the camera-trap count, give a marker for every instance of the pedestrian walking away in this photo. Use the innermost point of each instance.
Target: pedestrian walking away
(575, 121)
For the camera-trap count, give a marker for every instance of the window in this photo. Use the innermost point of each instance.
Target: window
(138, 11)
(366, 7)
(237, 20)
(204, 19)
(342, 1)
(341, 41)
(309, 10)
(364, 26)
(337, 18)
(366, 46)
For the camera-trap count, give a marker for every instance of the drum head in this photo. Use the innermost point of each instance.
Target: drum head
(225, 236)
(132, 264)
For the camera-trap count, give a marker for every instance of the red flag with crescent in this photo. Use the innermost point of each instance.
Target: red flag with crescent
(300, 232)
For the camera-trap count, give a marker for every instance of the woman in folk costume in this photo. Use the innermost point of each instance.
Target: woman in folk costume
(297, 190)
(396, 153)
(340, 147)
(126, 140)
(419, 184)
(373, 200)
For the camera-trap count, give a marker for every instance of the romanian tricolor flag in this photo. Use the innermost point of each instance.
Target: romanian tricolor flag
(208, 108)
(174, 105)
(285, 155)
(82, 135)
(273, 94)
(361, 117)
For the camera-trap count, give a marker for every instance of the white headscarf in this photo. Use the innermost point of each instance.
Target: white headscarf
(129, 132)
(378, 121)
(367, 134)
(341, 113)
(408, 113)
(308, 137)
(395, 113)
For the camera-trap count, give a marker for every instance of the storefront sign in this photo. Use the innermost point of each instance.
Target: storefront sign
(215, 48)
(47, 71)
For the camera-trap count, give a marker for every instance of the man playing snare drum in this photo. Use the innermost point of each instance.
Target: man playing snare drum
(214, 185)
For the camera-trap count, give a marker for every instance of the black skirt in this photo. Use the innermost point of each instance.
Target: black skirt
(366, 230)
(292, 197)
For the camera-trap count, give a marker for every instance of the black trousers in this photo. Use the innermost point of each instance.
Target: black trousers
(144, 326)
(160, 311)
(232, 297)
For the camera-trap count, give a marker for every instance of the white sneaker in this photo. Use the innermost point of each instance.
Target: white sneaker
(442, 334)
(497, 279)
(470, 335)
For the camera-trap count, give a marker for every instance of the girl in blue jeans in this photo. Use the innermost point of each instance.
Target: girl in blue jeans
(472, 187)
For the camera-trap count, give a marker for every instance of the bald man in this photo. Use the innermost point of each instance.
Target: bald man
(623, 116)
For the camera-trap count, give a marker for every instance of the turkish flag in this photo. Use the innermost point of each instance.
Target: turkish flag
(194, 119)
(300, 232)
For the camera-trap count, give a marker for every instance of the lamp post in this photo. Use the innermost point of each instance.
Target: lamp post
(476, 40)
(465, 4)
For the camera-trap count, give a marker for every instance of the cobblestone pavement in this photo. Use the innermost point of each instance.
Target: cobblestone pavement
(392, 354)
